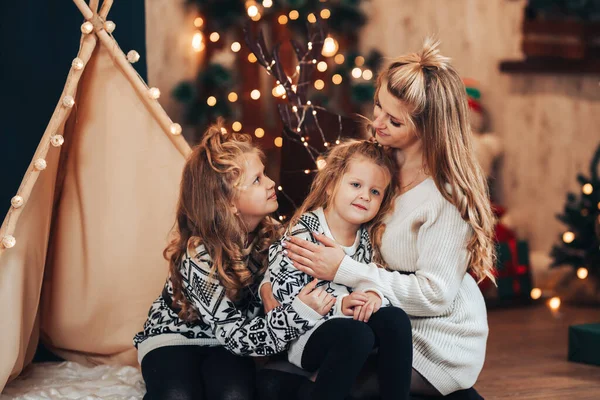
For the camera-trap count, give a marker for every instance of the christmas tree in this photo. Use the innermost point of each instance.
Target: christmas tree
(579, 246)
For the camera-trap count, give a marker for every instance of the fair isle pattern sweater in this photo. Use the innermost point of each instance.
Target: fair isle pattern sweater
(287, 281)
(425, 248)
(238, 326)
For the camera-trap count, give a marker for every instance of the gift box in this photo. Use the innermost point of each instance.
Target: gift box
(584, 343)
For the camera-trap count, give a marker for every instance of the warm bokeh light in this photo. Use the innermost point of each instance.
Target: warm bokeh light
(211, 101)
(568, 237)
(359, 61)
(252, 58)
(214, 37)
(587, 189)
(278, 91)
(259, 132)
(311, 18)
(283, 19)
(255, 94)
(339, 59)
(278, 141)
(252, 11)
(367, 74)
(336, 79)
(536, 293)
(236, 126)
(582, 273)
(554, 303)
(325, 13)
(198, 22)
(294, 14)
(356, 72)
(267, 3)
(330, 47)
(319, 84)
(321, 163)
(322, 66)
(236, 46)
(198, 42)
(232, 97)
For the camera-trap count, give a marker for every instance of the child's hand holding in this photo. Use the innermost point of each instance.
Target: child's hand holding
(353, 300)
(373, 304)
(316, 298)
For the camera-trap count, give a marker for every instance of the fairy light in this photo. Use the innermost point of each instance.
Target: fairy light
(87, 27)
(322, 66)
(321, 163)
(278, 141)
(40, 164)
(57, 140)
(17, 201)
(252, 11)
(77, 64)
(211, 101)
(294, 109)
(214, 37)
(326, 144)
(587, 189)
(257, 17)
(232, 97)
(281, 217)
(236, 46)
(267, 3)
(336, 79)
(198, 42)
(319, 84)
(259, 132)
(339, 59)
(535, 293)
(325, 13)
(9, 241)
(294, 87)
(283, 19)
(110, 26)
(582, 273)
(252, 58)
(367, 74)
(175, 129)
(568, 237)
(330, 47)
(356, 72)
(337, 142)
(359, 61)
(223, 130)
(133, 56)
(554, 303)
(314, 60)
(236, 126)
(255, 94)
(198, 22)
(311, 18)
(305, 144)
(154, 93)
(68, 101)
(278, 91)
(307, 171)
(294, 14)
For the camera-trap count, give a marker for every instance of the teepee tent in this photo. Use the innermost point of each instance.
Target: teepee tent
(81, 246)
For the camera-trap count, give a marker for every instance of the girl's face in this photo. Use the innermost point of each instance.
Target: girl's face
(256, 197)
(391, 127)
(360, 192)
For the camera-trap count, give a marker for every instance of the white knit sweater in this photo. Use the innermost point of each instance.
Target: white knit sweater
(425, 248)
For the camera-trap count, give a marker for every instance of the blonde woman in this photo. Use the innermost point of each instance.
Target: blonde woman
(440, 228)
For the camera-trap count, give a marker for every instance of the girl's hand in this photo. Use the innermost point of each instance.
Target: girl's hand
(351, 301)
(373, 304)
(316, 298)
(320, 262)
(268, 299)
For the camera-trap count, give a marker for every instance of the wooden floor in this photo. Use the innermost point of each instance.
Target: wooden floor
(527, 356)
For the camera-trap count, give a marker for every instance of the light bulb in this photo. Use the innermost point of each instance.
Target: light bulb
(252, 11)
(587, 189)
(536, 293)
(322, 66)
(568, 237)
(9, 241)
(109, 26)
(77, 64)
(252, 58)
(367, 74)
(321, 163)
(278, 141)
(211, 101)
(236, 46)
(356, 72)
(57, 140)
(175, 129)
(17, 201)
(255, 94)
(294, 14)
(325, 13)
(307, 171)
(267, 3)
(339, 59)
(554, 303)
(283, 19)
(87, 27)
(319, 84)
(214, 37)
(582, 273)
(154, 93)
(39, 164)
(330, 47)
(359, 61)
(68, 101)
(133, 56)
(236, 126)
(198, 22)
(311, 18)
(198, 42)
(336, 79)
(232, 97)
(259, 132)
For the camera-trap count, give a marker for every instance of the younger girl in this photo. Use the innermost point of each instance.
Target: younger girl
(348, 200)
(209, 306)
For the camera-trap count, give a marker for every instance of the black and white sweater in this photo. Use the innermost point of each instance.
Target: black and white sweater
(287, 281)
(240, 327)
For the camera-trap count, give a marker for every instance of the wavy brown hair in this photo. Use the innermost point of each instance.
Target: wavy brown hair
(435, 95)
(205, 215)
(329, 177)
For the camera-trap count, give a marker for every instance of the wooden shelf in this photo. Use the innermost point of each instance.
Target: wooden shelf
(551, 66)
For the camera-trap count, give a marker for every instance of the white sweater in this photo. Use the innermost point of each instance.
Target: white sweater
(425, 248)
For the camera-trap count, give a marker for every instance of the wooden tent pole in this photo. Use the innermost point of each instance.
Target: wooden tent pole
(94, 5)
(106, 5)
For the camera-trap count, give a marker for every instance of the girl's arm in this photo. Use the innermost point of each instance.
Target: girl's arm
(238, 334)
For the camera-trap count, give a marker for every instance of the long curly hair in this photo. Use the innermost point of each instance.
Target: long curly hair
(205, 215)
(435, 96)
(329, 177)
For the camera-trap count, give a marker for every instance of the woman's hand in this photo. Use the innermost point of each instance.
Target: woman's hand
(320, 262)
(316, 298)
(268, 299)
(354, 299)
(373, 304)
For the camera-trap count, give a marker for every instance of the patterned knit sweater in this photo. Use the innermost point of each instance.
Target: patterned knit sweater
(240, 327)
(425, 248)
(287, 281)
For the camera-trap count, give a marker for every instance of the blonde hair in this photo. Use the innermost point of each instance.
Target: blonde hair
(328, 179)
(436, 98)
(205, 216)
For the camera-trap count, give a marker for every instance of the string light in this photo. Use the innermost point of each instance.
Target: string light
(582, 273)
(40, 164)
(77, 64)
(278, 141)
(223, 130)
(255, 94)
(17, 201)
(279, 188)
(211, 101)
(278, 91)
(339, 59)
(133, 56)
(305, 144)
(252, 11)
(282, 19)
(311, 18)
(281, 217)
(236, 46)
(267, 3)
(294, 15)
(336, 79)
(587, 189)
(9, 241)
(198, 22)
(259, 132)
(294, 109)
(232, 97)
(321, 163)
(307, 171)
(109, 26)
(214, 37)
(367, 74)
(154, 93)
(326, 144)
(252, 58)
(568, 237)
(330, 47)
(314, 61)
(175, 129)
(236, 126)
(337, 142)
(322, 66)
(356, 72)
(535, 293)
(325, 13)
(359, 61)
(57, 140)
(554, 303)
(87, 27)
(68, 101)
(257, 17)
(319, 84)
(198, 42)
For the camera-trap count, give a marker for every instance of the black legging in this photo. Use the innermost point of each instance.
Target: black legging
(197, 372)
(339, 349)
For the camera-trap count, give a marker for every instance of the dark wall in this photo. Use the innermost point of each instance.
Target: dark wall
(38, 41)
